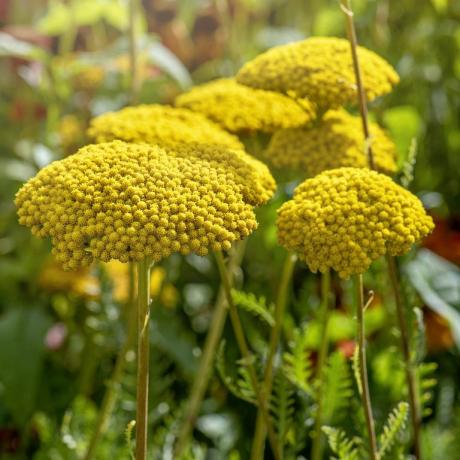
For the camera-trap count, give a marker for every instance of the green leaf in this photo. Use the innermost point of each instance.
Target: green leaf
(427, 384)
(437, 281)
(256, 306)
(22, 348)
(297, 364)
(343, 447)
(395, 424)
(282, 405)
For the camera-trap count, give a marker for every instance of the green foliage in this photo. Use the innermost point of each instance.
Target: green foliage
(297, 363)
(407, 169)
(395, 423)
(282, 405)
(129, 437)
(240, 386)
(256, 306)
(344, 448)
(427, 383)
(338, 387)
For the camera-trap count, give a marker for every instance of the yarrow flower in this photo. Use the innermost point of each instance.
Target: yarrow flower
(239, 109)
(319, 69)
(346, 218)
(159, 124)
(125, 201)
(337, 140)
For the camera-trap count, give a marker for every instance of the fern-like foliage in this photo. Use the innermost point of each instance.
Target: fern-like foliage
(129, 438)
(357, 369)
(240, 386)
(282, 405)
(338, 386)
(340, 444)
(297, 363)
(407, 170)
(257, 306)
(426, 383)
(395, 423)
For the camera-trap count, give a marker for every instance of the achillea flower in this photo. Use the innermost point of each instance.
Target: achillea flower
(127, 201)
(89, 78)
(319, 69)
(239, 109)
(159, 124)
(346, 218)
(71, 131)
(336, 141)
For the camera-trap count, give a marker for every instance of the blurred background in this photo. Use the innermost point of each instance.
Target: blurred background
(63, 62)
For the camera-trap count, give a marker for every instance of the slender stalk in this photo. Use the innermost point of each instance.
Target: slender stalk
(113, 385)
(244, 350)
(351, 32)
(317, 447)
(411, 381)
(142, 394)
(213, 337)
(365, 394)
(280, 307)
(405, 345)
(133, 52)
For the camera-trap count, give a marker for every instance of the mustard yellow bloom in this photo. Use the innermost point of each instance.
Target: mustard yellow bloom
(337, 140)
(89, 78)
(159, 124)
(346, 218)
(319, 69)
(127, 201)
(240, 109)
(71, 131)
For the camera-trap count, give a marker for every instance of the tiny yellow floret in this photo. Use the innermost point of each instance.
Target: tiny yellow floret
(127, 201)
(241, 109)
(336, 141)
(159, 125)
(319, 69)
(346, 218)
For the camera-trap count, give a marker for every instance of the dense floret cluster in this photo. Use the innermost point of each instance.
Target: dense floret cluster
(319, 69)
(346, 218)
(126, 201)
(335, 141)
(239, 108)
(159, 124)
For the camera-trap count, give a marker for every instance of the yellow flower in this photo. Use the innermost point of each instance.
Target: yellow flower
(71, 131)
(128, 201)
(336, 141)
(348, 217)
(319, 69)
(239, 109)
(89, 78)
(159, 124)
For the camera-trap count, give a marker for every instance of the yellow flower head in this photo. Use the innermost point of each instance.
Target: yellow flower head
(348, 217)
(159, 124)
(336, 141)
(126, 201)
(71, 131)
(238, 108)
(89, 78)
(319, 69)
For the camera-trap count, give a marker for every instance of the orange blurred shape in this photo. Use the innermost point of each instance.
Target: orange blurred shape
(445, 239)
(438, 334)
(346, 347)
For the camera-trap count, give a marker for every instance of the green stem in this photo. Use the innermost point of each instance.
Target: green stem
(405, 345)
(351, 32)
(317, 447)
(280, 307)
(113, 385)
(244, 350)
(143, 318)
(133, 52)
(213, 337)
(365, 394)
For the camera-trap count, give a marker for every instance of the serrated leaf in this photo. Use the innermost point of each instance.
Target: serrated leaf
(396, 422)
(344, 448)
(257, 306)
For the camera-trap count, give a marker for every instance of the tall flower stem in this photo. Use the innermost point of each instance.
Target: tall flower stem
(317, 447)
(415, 416)
(280, 307)
(405, 345)
(213, 337)
(111, 393)
(351, 31)
(365, 394)
(143, 349)
(133, 52)
(244, 350)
